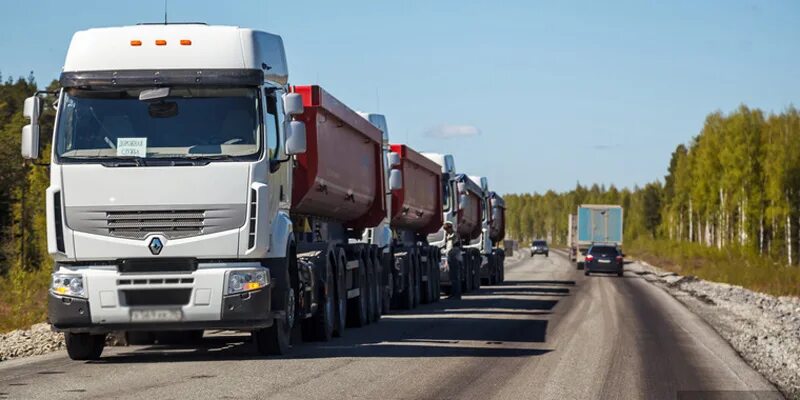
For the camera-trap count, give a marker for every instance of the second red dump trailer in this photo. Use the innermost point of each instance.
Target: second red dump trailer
(416, 213)
(468, 228)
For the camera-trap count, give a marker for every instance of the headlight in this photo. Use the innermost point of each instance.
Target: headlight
(246, 280)
(68, 285)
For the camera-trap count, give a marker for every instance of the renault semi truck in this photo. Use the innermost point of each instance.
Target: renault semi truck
(458, 268)
(192, 188)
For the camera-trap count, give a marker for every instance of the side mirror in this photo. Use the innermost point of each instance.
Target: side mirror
(463, 201)
(296, 140)
(393, 159)
(395, 179)
(292, 104)
(30, 133)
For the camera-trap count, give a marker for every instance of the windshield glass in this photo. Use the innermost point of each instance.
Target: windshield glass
(194, 122)
(605, 251)
(539, 243)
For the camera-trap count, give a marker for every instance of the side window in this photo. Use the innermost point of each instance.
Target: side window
(272, 122)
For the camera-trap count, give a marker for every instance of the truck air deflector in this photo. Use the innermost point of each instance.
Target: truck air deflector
(166, 77)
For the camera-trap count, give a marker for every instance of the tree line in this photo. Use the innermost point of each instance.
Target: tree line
(734, 185)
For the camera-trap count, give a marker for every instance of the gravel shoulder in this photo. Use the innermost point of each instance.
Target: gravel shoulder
(763, 329)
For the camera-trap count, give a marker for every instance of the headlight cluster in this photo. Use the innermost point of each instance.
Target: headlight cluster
(68, 285)
(247, 280)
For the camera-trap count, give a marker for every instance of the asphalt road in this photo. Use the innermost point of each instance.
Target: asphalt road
(547, 333)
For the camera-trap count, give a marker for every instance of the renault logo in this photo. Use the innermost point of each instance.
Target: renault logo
(156, 246)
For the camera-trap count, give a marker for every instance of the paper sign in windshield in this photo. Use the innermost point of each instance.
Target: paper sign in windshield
(132, 147)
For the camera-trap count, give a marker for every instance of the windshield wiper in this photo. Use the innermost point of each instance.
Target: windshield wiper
(114, 160)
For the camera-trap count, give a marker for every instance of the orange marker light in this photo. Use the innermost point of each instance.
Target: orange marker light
(186, 42)
(136, 42)
(161, 42)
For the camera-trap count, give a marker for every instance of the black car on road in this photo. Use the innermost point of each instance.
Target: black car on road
(540, 247)
(604, 258)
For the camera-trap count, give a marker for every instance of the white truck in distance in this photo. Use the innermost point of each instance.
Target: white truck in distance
(182, 196)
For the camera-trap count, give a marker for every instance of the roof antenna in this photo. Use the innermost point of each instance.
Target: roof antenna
(165, 11)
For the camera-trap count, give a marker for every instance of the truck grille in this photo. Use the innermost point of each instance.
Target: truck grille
(171, 223)
(157, 297)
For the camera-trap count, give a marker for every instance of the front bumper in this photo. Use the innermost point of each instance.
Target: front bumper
(112, 298)
(595, 266)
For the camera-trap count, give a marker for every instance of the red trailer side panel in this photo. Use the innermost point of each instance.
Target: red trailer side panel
(469, 219)
(341, 174)
(417, 206)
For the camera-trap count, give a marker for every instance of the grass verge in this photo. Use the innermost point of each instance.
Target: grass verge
(732, 265)
(23, 298)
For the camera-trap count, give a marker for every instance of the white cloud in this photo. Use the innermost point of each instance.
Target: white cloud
(453, 131)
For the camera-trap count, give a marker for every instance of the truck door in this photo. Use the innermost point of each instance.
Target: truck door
(280, 178)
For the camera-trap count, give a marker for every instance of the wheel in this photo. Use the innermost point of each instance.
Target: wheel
(417, 279)
(620, 273)
(455, 274)
(586, 272)
(388, 278)
(467, 272)
(407, 299)
(84, 346)
(371, 287)
(579, 265)
(341, 295)
(322, 324)
(424, 285)
(435, 259)
(359, 306)
(378, 288)
(476, 284)
(547, 254)
(276, 339)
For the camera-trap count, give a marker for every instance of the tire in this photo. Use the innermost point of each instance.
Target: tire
(466, 269)
(455, 274)
(547, 254)
(358, 311)
(435, 287)
(586, 272)
(407, 298)
(620, 274)
(340, 302)
(476, 283)
(83, 346)
(371, 287)
(277, 339)
(579, 265)
(378, 288)
(426, 286)
(322, 324)
(388, 277)
(417, 279)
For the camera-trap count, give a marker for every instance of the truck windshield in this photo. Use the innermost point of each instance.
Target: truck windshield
(193, 123)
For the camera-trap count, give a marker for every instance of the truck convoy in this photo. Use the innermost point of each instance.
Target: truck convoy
(192, 188)
(597, 224)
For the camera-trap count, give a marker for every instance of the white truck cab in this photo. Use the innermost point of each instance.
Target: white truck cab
(168, 203)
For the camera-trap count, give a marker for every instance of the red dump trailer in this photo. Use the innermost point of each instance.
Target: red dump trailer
(337, 192)
(497, 228)
(340, 177)
(416, 212)
(469, 217)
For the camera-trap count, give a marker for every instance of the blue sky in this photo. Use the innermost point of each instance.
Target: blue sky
(534, 95)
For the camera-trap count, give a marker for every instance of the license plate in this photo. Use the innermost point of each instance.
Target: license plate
(159, 315)
(604, 261)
